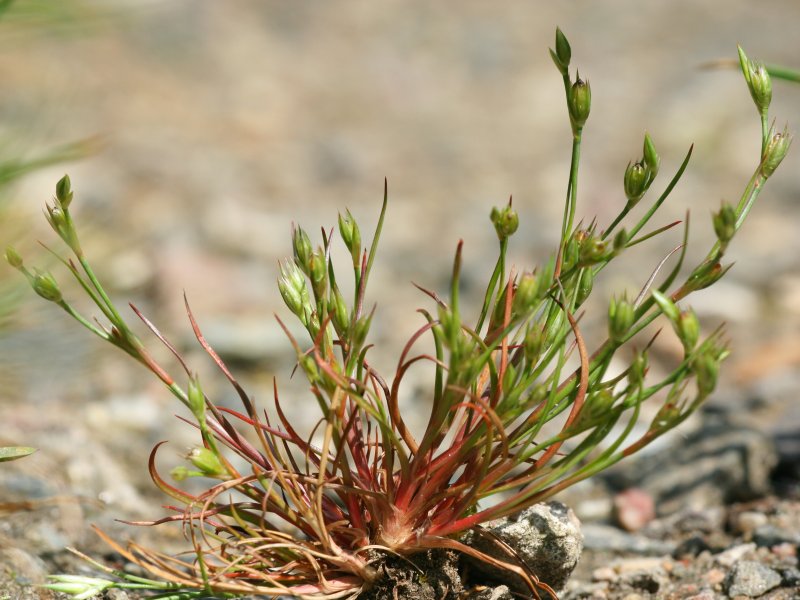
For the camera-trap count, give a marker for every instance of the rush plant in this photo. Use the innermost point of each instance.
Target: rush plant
(520, 407)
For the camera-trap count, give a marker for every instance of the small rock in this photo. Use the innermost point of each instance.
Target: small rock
(691, 547)
(734, 554)
(785, 550)
(751, 579)
(26, 569)
(604, 574)
(633, 509)
(500, 592)
(770, 535)
(605, 537)
(790, 577)
(650, 580)
(714, 576)
(546, 536)
(704, 595)
(633, 565)
(746, 522)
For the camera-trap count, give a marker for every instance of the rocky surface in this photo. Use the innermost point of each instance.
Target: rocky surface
(224, 124)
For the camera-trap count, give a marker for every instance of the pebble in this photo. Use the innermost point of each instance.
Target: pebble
(770, 535)
(714, 577)
(704, 595)
(634, 508)
(790, 577)
(734, 554)
(604, 574)
(634, 565)
(748, 521)
(751, 579)
(597, 536)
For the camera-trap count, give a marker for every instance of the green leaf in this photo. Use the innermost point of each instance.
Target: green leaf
(14, 452)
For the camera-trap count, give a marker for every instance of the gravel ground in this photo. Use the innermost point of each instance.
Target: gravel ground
(224, 123)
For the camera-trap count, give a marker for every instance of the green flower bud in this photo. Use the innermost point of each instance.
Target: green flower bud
(505, 221)
(666, 416)
(46, 286)
(348, 229)
(688, 329)
(708, 273)
(361, 329)
(635, 182)
(526, 294)
(776, 148)
(13, 258)
(207, 461)
(293, 289)
(758, 81)
(620, 318)
(706, 371)
(563, 53)
(725, 223)
(197, 400)
(181, 473)
(572, 250)
(310, 368)
(579, 102)
(318, 273)
(64, 191)
(667, 305)
(651, 158)
(533, 344)
(301, 244)
(585, 285)
(592, 250)
(339, 313)
(638, 369)
(57, 219)
(563, 50)
(620, 241)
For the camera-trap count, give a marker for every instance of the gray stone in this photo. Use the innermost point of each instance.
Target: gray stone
(500, 592)
(601, 537)
(771, 535)
(750, 578)
(547, 537)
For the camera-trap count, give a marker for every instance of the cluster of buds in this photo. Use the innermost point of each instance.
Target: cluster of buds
(579, 92)
(59, 217)
(639, 175)
(42, 282)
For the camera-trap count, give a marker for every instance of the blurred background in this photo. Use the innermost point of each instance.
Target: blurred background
(205, 129)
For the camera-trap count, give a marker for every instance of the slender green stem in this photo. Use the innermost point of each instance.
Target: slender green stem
(624, 213)
(572, 187)
(784, 73)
